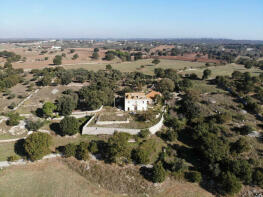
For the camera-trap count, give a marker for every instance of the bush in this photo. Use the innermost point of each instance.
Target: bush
(12, 158)
(230, 184)
(69, 126)
(37, 145)
(194, 176)
(13, 120)
(245, 130)
(223, 118)
(171, 135)
(69, 150)
(240, 146)
(48, 109)
(144, 133)
(93, 147)
(258, 177)
(141, 156)
(34, 126)
(57, 60)
(158, 173)
(82, 152)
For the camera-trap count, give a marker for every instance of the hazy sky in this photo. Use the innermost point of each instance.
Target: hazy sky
(237, 19)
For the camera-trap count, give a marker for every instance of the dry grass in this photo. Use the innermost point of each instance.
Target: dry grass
(47, 178)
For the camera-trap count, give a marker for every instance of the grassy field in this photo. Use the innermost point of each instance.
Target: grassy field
(54, 178)
(224, 70)
(47, 179)
(136, 65)
(6, 150)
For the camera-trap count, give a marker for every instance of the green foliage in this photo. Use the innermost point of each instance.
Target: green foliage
(206, 73)
(156, 61)
(34, 126)
(95, 55)
(93, 147)
(194, 176)
(75, 56)
(69, 126)
(48, 109)
(14, 119)
(118, 147)
(240, 146)
(37, 145)
(12, 158)
(166, 85)
(141, 155)
(69, 150)
(158, 173)
(66, 104)
(144, 133)
(258, 177)
(230, 184)
(57, 60)
(82, 152)
(72, 50)
(223, 118)
(108, 67)
(242, 169)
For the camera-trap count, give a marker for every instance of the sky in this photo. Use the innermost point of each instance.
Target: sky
(233, 19)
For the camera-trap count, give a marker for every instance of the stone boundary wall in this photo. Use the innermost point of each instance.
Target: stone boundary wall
(109, 131)
(112, 122)
(82, 114)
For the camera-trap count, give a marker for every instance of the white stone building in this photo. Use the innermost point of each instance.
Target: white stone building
(136, 101)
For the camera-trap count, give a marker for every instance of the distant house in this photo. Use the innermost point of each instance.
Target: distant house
(136, 101)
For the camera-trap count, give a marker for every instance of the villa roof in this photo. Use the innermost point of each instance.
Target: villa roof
(135, 95)
(152, 94)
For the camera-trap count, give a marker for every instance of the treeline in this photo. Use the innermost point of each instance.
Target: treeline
(10, 56)
(9, 77)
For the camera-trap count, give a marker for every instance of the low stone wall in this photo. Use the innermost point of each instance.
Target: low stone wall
(82, 114)
(107, 131)
(112, 122)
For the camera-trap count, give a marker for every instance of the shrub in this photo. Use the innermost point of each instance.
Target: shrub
(230, 184)
(158, 173)
(34, 126)
(69, 150)
(12, 158)
(258, 177)
(37, 145)
(240, 146)
(171, 135)
(194, 176)
(13, 120)
(82, 152)
(223, 118)
(48, 109)
(245, 130)
(69, 126)
(144, 133)
(57, 60)
(93, 147)
(141, 156)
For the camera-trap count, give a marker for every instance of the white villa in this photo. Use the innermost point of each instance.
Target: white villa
(138, 101)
